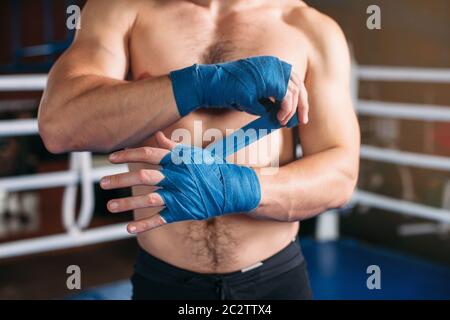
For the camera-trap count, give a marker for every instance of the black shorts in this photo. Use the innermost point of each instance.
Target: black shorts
(282, 276)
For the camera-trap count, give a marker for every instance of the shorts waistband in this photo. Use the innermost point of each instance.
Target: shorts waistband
(289, 257)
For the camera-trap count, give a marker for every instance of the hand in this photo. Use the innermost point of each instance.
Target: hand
(241, 85)
(193, 184)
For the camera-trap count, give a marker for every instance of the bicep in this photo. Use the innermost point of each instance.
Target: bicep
(100, 46)
(333, 121)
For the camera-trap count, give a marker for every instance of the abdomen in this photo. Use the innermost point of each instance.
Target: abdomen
(227, 243)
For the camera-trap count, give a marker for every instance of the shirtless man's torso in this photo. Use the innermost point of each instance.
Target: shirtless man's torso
(147, 39)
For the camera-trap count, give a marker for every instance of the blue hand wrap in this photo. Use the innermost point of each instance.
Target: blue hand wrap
(198, 185)
(239, 84)
(241, 138)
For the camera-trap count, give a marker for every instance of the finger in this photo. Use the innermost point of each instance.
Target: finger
(287, 108)
(146, 224)
(164, 142)
(303, 106)
(295, 78)
(144, 154)
(294, 94)
(134, 178)
(295, 98)
(136, 202)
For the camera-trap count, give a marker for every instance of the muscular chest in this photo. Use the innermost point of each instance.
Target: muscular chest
(173, 39)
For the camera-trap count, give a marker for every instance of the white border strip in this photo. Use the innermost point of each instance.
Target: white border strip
(383, 73)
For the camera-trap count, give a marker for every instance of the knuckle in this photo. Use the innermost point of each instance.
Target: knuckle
(151, 199)
(143, 176)
(147, 151)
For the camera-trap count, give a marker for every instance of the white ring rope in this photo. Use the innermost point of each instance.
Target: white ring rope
(21, 83)
(401, 206)
(14, 128)
(399, 74)
(87, 189)
(64, 241)
(404, 158)
(405, 111)
(55, 179)
(69, 201)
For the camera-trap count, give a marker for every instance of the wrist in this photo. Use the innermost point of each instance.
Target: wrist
(242, 191)
(265, 182)
(184, 89)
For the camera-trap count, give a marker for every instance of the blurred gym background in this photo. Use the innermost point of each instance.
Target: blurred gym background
(400, 220)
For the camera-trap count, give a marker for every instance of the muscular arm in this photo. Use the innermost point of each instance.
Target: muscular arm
(326, 175)
(87, 104)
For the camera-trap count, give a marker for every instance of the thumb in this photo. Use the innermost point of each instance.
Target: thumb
(164, 142)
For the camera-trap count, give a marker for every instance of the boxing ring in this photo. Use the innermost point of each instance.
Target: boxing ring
(82, 175)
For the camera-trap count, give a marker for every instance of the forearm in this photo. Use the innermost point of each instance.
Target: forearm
(308, 186)
(94, 113)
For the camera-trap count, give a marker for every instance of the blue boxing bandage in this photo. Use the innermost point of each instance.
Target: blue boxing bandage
(238, 84)
(198, 186)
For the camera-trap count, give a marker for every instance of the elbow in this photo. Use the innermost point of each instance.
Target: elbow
(346, 188)
(54, 141)
(341, 193)
(50, 129)
(64, 129)
(61, 138)
(60, 130)
(52, 123)
(57, 133)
